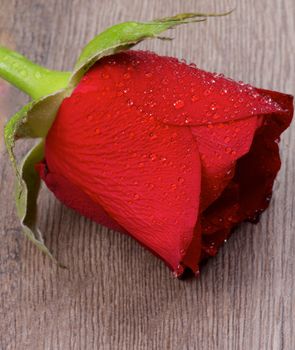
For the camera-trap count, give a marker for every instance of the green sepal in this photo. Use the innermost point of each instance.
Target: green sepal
(26, 194)
(35, 119)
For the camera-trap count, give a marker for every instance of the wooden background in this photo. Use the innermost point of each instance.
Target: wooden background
(116, 295)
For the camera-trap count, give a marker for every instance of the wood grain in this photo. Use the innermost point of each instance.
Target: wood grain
(116, 295)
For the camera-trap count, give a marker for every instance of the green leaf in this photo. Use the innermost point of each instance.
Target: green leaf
(27, 189)
(123, 36)
(35, 119)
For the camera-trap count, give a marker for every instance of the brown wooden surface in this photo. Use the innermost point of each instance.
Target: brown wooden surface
(116, 295)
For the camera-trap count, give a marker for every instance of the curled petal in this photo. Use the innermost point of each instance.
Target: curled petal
(144, 174)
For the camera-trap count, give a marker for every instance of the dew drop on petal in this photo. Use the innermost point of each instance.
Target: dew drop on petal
(178, 104)
(126, 76)
(152, 156)
(105, 76)
(195, 98)
(223, 91)
(187, 120)
(152, 136)
(173, 187)
(207, 92)
(213, 107)
(181, 180)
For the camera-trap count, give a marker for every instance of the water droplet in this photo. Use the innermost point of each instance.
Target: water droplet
(38, 75)
(193, 65)
(173, 187)
(149, 74)
(152, 136)
(126, 76)
(136, 196)
(179, 271)
(187, 120)
(195, 98)
(228, 150)
(23, 73)
(178, 104)
(130, 103)
(163, 159)
(105, 75)
(227, 139)
(181, 180)
(152, 156)
(213, 106)
(211, 250)
(207, 92)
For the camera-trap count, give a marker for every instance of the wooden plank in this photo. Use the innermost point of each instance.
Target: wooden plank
(116, 295)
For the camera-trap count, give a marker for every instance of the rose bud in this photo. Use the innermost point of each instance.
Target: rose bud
(172, 155)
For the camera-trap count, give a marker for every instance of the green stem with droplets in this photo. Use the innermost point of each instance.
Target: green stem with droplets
(34, 80)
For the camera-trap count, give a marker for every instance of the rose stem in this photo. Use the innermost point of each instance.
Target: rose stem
(34, 80)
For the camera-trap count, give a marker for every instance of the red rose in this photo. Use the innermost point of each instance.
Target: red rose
(146, 145)
(172, 155)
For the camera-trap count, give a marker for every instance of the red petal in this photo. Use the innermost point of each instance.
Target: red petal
(146, 175)
(73, 197)
(220, 145)
(174, 92)
(249, 192)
